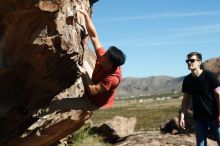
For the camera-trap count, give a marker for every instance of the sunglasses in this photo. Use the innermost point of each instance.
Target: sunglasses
(191, 60)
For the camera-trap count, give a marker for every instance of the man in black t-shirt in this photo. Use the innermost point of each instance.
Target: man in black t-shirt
(204, 89)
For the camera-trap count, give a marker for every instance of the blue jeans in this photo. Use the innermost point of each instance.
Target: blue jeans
(201, 129)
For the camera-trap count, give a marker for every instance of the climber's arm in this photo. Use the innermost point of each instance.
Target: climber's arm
(90, 28)
(91, 88)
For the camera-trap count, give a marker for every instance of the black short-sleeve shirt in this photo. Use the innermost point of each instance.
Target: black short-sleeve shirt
(201, 89)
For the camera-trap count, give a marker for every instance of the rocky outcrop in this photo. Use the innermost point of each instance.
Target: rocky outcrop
(155, 138)
(115, 129)
(39, 53)
(213, 65)
(172, 126)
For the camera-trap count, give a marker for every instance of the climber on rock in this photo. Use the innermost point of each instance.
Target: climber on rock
(100, 88)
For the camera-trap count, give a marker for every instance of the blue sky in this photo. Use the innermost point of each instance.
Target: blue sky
(156, 35)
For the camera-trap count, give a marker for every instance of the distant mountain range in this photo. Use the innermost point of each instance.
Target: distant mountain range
(132, 86)
(150, 85)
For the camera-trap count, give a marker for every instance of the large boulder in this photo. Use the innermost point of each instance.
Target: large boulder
(172, 126)
(213, 65)
(114, 129)
(39, 53)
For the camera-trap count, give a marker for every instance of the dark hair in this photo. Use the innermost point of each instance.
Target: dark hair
(116, 56)
(198, 55)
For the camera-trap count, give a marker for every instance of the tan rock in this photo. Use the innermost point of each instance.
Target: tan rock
(116, 128)
(39, 53)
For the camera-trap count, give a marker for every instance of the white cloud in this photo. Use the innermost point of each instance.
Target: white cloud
(184, 42)
(188, 35)
(191, 31)
(164, 15)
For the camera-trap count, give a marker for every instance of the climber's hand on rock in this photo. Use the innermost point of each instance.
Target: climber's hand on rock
(82, 9)
(82, 12)
(81, 69)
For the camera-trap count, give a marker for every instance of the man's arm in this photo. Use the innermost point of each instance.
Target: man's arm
(90, 28)
(91, 88)
(184, 107)
(217, 95)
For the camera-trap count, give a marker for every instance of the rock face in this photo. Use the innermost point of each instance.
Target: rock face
(213, 65)
(115, 129)
(39, 53)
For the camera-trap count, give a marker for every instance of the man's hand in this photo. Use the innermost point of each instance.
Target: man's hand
(81, 69)
(184, 107)
(182, 121)
(217, 95)
(90, 27)
(83, 9)
(218, 120)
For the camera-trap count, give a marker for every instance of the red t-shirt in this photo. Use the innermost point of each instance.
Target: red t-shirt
(109, 80)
